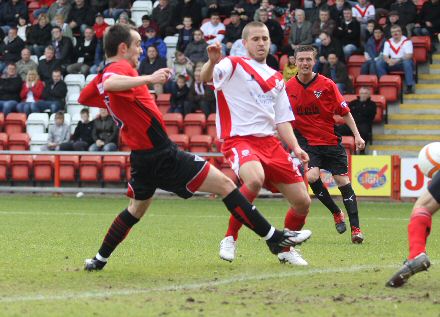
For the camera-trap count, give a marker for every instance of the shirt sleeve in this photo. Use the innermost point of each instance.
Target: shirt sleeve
(283, 109)
(408, 48)
(222, 73)
(341, 106)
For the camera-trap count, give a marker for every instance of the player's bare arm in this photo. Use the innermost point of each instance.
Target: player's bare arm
(360, 143)
(214, 55)
(121, 82)
(286, 134)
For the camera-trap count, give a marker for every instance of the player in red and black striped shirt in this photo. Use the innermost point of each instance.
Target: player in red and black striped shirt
(315, 99)
(156, 162)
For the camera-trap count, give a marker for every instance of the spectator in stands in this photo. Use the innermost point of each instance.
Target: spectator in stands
(348, 32)
(180, 65)
(275, 31)
(407, 11)
(382, 7)
(363, 110)
(163, 15)
(54, 94)
(104, 133)
(153, 39)
(47, 64)
(124, 19)
(266, 5)
(196, 49)
(323, 24)
(10, 52)
(223, 7)
(328, 45)
(150, 64)
(25, 63)
(99, 5)
(337, 71)
(116, 8)
(31, 92)
(11, 11)
(59, 7)
(300, 32)
(233, 31)
(85, 53)
(312, 14)
(246, 9)
(371, 24)
(63, 47)
(337, 10)
(185, 31)
(99, 28)
(363, 12)
(81, 139)
(179, 95)
(10, 87)
(40, 35)
(22, 28)
(272, 62)
(200, 96)
(58, 133)
(238, 49)
(398, 56)
(290, 70)
(393, 19)
(428, 19)
(373, 51)
(80, 17)
(189, 8)
(65, 28)
(213, 30)
(147, 22)
(44, 7)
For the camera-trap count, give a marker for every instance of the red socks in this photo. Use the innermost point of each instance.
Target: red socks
(234, 224)
(419, 228)
(293, 220)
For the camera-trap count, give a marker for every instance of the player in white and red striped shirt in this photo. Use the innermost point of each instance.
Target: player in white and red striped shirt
(252, 106)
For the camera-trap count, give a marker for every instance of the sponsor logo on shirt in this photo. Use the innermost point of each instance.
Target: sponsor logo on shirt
(307, 110)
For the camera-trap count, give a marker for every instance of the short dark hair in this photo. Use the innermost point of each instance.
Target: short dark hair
(115, 35)
(84, 110)
(306, 48)
(56, 27)
(57, 70)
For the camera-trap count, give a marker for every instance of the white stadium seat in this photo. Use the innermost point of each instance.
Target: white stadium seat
(109, 21)
(75, 80)
(90, 77)
(38, 140)
(37, 123)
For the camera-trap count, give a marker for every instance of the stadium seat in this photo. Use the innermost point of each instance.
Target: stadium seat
(173, 122)
(181, 140)
(73, 89)
(89, 167)
(34, 58)
(421, 46)
(283, 61)
(75, 80)
(38, 140)
(5, 161)
(349, 98)
(43, 168)
(2, 121)
(171, 41)
(163, 102)
(90, 77)
(390, 86)
(210, 126)
(18, 142)
(72, 99)
(73, 124)
(381, 103)
(112, 167)
(94, 112)
(21, 166)
(68, 167)
(200, 143)
(3, 141)
(37, 123)
(109, 21)
(15, 123)
(348, 143)
(354, 65)
(74, 109)
(366, 81)
(194, 124)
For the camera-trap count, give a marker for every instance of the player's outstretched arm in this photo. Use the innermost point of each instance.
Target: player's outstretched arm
(360, 143)
(214, 55)
(287, 136)
(122, 82)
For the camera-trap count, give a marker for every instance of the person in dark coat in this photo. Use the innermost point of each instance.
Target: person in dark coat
(373, 51)
(152, 63)
(275, 31)
(39, 35)
(349, 33)
(200, 96)
(233, 30)
(407, 11)
(85, 53)
(196, 49)
(104, 133)
(63, 47)
(10, 88)
(11, 51)
(179, 95)
(186, 31)
(328, 45)
(54, 95)
(12, 10)
(163, 15)
(428, 19)
(337, 71)
(80, 17)
(300, 33)
(81, 139)
(188, 8)
(48, 64)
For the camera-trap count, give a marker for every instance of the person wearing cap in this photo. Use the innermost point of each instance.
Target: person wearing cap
(407, 12)
(393, 19)
(146, 22)
(153, 39)
(233, 30)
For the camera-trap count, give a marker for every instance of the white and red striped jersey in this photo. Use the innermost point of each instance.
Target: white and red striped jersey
(213, 33)
(399, 49)
(251, 98)
(363, 14)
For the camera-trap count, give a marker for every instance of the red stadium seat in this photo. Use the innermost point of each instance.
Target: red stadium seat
(43, 168)
(181, 140)
(18, 142)
(15, 123)
(5, 161)
(421, 46)
(68, 167)
(3, 141)
(354, 65)
(283, 61)
(366, 81)
(350, 98)
(210, 126)
(194, 124)
(89, 167)
(21, 166)
(390, 86)
(173, 122)
(163, 102)
(381, 103)
(348, 143)
(112, 167)
(200, 143)
(2, 121)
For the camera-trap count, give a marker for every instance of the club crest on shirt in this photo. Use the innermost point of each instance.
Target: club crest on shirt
(317, 93)
(245, 153)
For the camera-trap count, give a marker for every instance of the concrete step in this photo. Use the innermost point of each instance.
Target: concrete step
(416, 109)
(434, 69)
(422, 98)
(392, 152)
(429, 78)
(395, 148)
(411, 129)
(402, 143)
(413, 137)
(436, 58)
(427, 88)
(408, 118)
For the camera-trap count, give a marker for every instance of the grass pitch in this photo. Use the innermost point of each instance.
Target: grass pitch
(169, 265)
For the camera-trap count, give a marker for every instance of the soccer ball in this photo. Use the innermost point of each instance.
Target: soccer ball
(429, 159)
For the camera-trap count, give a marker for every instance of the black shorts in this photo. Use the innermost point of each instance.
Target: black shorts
(169, 169)
(434, 187)
(332, 158)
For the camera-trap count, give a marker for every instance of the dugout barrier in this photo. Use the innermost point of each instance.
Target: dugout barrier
(42, 172)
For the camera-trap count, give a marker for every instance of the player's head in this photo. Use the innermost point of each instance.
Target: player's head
(305, 57)
(256, 39)
(123, 41)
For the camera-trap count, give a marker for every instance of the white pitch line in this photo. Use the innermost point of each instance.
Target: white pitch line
(189, 286)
